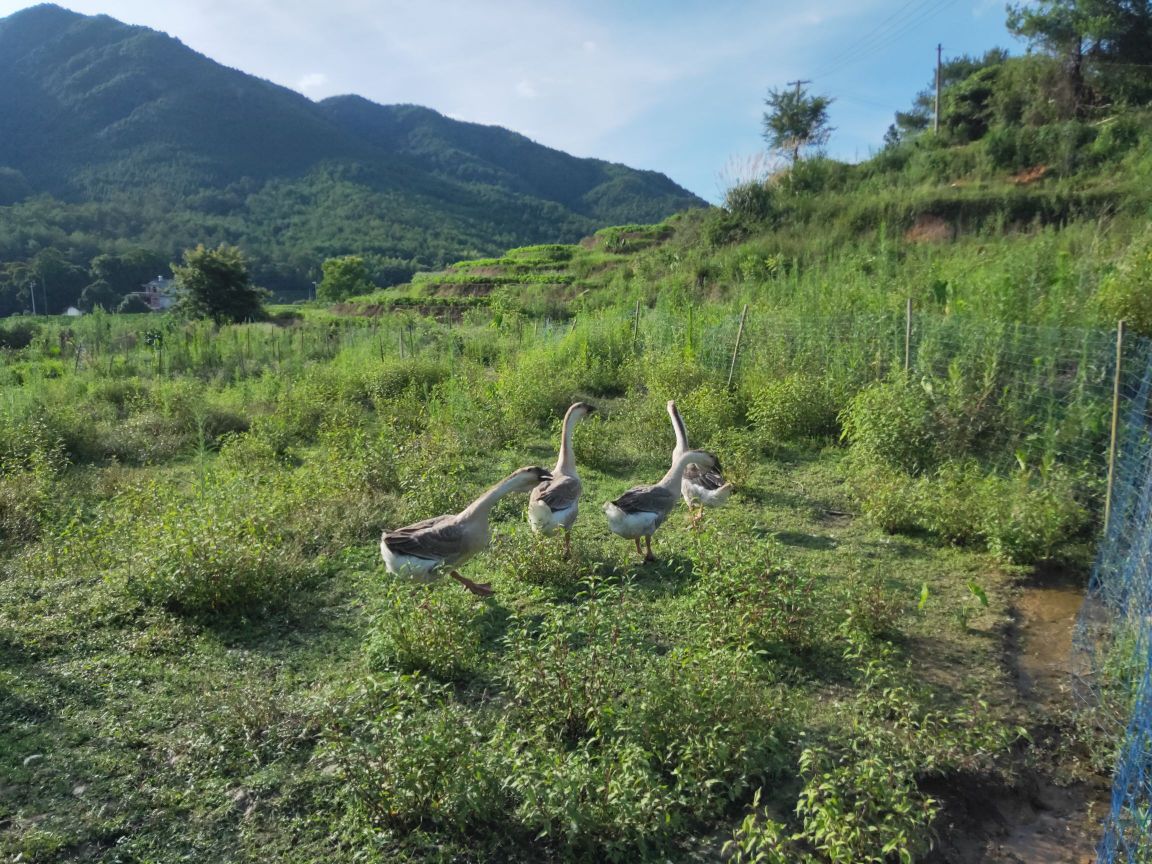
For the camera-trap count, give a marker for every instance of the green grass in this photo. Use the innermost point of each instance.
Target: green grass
(244, 735)
(203, 656)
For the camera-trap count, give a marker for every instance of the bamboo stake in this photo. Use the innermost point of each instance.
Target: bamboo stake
(736, 350)
(1115, 424)
(908, 336)
(635, 326)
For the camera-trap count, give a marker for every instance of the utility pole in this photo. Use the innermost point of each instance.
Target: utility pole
(797, 142)
(32, 294)
(936, 120)
(797, 86)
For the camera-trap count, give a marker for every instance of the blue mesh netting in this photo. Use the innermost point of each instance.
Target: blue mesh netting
(1117, 622)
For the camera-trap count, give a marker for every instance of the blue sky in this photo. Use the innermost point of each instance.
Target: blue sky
(676, 86)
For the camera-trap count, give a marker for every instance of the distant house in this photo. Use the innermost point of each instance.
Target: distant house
(159, 294)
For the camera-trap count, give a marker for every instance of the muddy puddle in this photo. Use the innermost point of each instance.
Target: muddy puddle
(1047, 668)
(1036, 821)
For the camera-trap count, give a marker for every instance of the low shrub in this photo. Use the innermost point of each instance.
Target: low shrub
(1124, 293)
(796, 407)
(426, 630)
(754, 201)
(31, 459)
(863, 808)
(410, 756)
(16, 334)
(891, 423)
(1031, 516)
(219, 551)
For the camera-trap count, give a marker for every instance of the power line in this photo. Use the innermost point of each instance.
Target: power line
(869, 46)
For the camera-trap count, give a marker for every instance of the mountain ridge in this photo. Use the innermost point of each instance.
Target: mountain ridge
(98, 114)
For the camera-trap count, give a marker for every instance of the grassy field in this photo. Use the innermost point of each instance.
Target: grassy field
(204, 659)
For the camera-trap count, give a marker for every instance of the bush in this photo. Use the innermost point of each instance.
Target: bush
(858, 809)
(1124, 294)
(888, 497)
(220, 551)
(796, 407)
(1029, 517)
(31, 459)
(409, 755)
(18, 334)
(430, 631)
(754, 201)
(892, 423)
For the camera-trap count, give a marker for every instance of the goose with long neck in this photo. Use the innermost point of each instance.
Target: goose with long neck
(554, 504)
(642, 509)
(706, 486)
(421, 550)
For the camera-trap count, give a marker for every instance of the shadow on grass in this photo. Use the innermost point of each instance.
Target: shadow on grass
(801, 539)
(664, 577)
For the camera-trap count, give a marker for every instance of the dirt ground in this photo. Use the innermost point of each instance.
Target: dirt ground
(1036, 820)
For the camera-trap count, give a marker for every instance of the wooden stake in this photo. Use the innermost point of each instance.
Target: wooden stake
(635, 326)
(908, 336)
(1115, 424)
(736, 350)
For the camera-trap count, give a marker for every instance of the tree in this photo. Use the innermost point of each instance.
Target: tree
(1112, 39)
(214, 283)
(128, 271)
(796, 121)
(343, 277)
(918, 119)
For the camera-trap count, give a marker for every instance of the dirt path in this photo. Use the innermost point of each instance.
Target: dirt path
(1036, 821)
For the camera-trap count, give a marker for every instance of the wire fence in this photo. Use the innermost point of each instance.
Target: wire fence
(1054, 393)
(1034, 395)
(1115, 626)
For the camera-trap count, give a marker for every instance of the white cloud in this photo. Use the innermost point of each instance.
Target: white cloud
(525, 90)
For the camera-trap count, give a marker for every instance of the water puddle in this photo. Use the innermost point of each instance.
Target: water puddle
(1045, 662)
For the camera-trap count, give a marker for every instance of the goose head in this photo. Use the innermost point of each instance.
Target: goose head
(524, 479)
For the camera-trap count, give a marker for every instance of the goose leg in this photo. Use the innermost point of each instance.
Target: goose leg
(480, 589)
(567, 544)
(648, 544)
(639, 551)
(697, 515)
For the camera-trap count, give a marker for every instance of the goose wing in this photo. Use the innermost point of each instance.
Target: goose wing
(711, 479)
(438, 539)
(646, 499)
(559, 494)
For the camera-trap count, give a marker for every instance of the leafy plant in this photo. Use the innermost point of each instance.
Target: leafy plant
(892, 423)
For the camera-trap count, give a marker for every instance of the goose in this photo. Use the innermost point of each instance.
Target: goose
(707, 486)
(642, 509)
(554, 503)
(421, 550)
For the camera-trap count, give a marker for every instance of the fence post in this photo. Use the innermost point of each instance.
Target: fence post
(635, 326)
(1115, 424)
(736, 350)
(908, 335)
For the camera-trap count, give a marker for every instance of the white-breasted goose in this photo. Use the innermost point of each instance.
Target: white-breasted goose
(707, 486)
(420, 551)
(642, 509)
(555, 503)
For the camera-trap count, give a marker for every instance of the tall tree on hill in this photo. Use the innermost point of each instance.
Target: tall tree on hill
(214, 283)
(1105, 45)
(795, 121)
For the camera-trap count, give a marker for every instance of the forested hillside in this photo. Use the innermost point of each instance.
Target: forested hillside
(120, 140)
